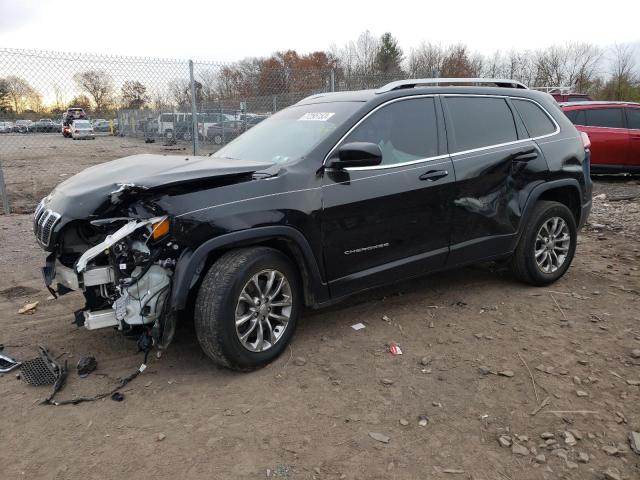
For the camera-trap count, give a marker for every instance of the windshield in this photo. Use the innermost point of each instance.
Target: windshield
(289, 134)
(81, 123)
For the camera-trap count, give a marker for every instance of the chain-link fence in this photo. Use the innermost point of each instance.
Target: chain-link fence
(125, 105)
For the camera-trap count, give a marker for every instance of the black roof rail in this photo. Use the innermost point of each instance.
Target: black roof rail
(411, 83)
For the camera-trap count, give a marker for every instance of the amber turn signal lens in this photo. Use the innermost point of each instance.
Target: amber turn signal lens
(160, 229)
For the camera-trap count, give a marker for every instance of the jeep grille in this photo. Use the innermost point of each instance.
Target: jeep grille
(43, 223)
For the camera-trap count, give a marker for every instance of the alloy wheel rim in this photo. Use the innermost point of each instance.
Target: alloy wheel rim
(552, 245)
(263, 310)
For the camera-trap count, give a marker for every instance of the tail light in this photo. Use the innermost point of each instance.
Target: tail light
(586, 142)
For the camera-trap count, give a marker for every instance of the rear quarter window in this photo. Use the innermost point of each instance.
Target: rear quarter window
(633, 118)
(536, 121)
(480, 122)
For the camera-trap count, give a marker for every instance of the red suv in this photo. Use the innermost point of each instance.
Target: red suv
(614, 130)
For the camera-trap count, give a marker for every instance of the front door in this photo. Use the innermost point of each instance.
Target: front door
(387, 222)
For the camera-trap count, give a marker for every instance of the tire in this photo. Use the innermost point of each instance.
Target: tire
(217, 139)
(524, 263)
(218, 304)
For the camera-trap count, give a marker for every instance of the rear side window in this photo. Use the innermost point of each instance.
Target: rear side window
(577, 117)
(535, 119)
(605, 117)
(405, 130)
(633, 117)
(480, 122)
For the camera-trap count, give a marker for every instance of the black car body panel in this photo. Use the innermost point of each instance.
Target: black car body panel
(346, 229)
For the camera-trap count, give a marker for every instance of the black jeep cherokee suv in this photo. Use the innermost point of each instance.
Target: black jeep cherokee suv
(336, 194)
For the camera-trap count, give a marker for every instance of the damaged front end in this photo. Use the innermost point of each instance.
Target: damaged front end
(113, 232)
(124, 268)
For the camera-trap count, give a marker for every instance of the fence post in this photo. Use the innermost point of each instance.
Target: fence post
(194, 110)
(4, 193)
(275, 104)
(333, 80)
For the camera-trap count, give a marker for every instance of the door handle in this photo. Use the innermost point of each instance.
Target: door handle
(432, 175)
(525, 155)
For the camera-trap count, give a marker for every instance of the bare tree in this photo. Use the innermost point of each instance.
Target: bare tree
(21, 95)
(98, 84)
(81, 101)
(357, 61)
(134, 94)
(457, 62)
(178, 90)
(4, 96)
(425, 61)
(60, 104)
(209, 80)
(624, 79)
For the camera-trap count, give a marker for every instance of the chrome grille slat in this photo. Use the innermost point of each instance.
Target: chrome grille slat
(43, 223)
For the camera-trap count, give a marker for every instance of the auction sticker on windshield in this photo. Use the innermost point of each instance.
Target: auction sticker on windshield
(319, 116)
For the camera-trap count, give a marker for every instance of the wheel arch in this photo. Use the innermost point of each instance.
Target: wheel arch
(192, 264)
(565, 191)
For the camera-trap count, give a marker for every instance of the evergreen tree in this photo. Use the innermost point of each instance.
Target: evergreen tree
(389, 56)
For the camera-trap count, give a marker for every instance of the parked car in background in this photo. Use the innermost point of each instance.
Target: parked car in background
(179, 125)
(614, 130)
(101, 126)
(72, 114)
(253, 121)
(224, 132)
(22, 126)
(44, 125)
(564, 94)
(82, 129)
(6, 127)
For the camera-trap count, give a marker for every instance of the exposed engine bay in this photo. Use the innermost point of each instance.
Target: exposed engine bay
(114, 232)
(124, 268)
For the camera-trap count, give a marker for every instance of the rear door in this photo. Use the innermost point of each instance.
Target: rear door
(633, 122)
(390, 221)
(609, 135)
(494, 160)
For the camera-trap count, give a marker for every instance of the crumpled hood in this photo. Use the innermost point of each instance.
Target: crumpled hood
(80, 195)
(150, 171)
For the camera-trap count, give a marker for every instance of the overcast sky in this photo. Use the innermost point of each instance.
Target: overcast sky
(230, 30)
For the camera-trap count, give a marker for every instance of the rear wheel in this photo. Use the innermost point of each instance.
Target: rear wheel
(217, 139)
(547, 244)
(247, 307)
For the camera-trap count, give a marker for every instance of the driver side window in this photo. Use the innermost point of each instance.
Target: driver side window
(405, 130)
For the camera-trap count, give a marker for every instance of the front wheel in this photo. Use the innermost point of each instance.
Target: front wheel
(247, 307)
(217, 139)
(547, 244)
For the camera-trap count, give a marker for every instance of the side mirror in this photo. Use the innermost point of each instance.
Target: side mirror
(357, 154)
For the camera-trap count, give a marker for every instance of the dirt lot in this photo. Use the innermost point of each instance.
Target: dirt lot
(310, 413)
(36, 162)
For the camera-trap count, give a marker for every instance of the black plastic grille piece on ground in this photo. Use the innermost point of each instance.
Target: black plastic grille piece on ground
(37, 372)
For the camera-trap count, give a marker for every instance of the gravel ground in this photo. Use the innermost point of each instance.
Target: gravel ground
(514, 382)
